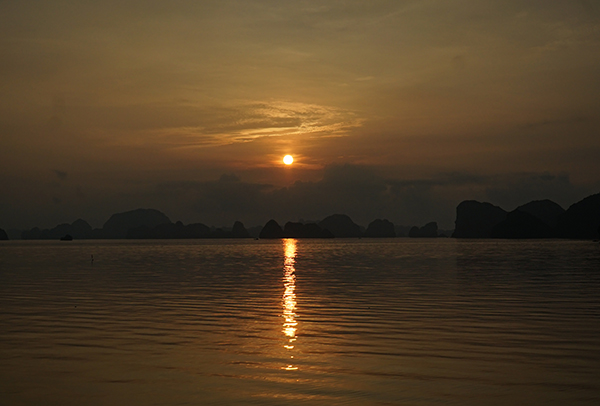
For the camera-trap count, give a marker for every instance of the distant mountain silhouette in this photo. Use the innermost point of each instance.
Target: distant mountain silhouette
(161, 231)
(57, 232)
(326, 233)
(239, 231)
(254, 231)
(141, 233)
(34, 234)
(341, 226)
(300, 230)
(312, 230)
(118, 224)
(294, 230)
(401, 231)
(217, 232)
(581, 220)
(195, 230)
(476, 220)
(429, 230)
(79, 229)
(444, 233)
(14, 234)
(271, 230)
(180, 231)
(136, 224)
(380, 229)
(3, 235)
(520, 224)
(536, 219)
(545, 210)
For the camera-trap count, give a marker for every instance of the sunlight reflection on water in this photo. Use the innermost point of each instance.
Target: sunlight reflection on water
(289, 299)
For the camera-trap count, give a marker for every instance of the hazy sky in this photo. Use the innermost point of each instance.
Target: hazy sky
(396, 109)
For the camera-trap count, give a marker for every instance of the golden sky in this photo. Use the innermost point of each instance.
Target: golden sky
(113, 105)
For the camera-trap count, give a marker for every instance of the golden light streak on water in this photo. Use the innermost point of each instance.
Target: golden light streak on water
(289, 298)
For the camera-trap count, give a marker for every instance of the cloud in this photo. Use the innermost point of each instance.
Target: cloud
(79, 192)
(348, 189)
(364, 195)
(363, 192)
(60, 174)
(563, 121)
(188, 125)
(510, 191)
(217, 202)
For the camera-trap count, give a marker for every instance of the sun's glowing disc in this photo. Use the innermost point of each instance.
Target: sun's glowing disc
(288, 159)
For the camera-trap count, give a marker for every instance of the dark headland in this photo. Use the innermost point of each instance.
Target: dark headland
(537, 219)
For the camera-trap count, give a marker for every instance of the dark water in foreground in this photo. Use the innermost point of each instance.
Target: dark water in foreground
(353, 322)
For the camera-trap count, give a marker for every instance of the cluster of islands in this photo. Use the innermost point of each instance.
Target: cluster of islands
(534, 220)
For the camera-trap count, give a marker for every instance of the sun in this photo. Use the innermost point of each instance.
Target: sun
(288, 159)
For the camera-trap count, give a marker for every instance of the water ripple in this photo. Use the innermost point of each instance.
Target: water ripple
(326, 322)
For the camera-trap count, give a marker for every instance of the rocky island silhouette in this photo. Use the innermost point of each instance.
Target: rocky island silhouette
(536, 219)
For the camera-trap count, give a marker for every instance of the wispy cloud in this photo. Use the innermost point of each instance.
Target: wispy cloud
(251, 121)
(60, 174)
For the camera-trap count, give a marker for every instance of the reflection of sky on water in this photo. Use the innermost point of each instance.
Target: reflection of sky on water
(289, 298)
(394, 321)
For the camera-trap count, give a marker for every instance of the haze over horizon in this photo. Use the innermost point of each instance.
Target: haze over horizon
(391, 109)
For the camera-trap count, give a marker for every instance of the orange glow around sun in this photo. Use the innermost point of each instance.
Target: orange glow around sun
(288, 159)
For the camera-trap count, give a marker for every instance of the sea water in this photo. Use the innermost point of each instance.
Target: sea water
(319, 322)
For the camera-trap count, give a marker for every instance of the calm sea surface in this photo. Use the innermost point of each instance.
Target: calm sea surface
(336, 322)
